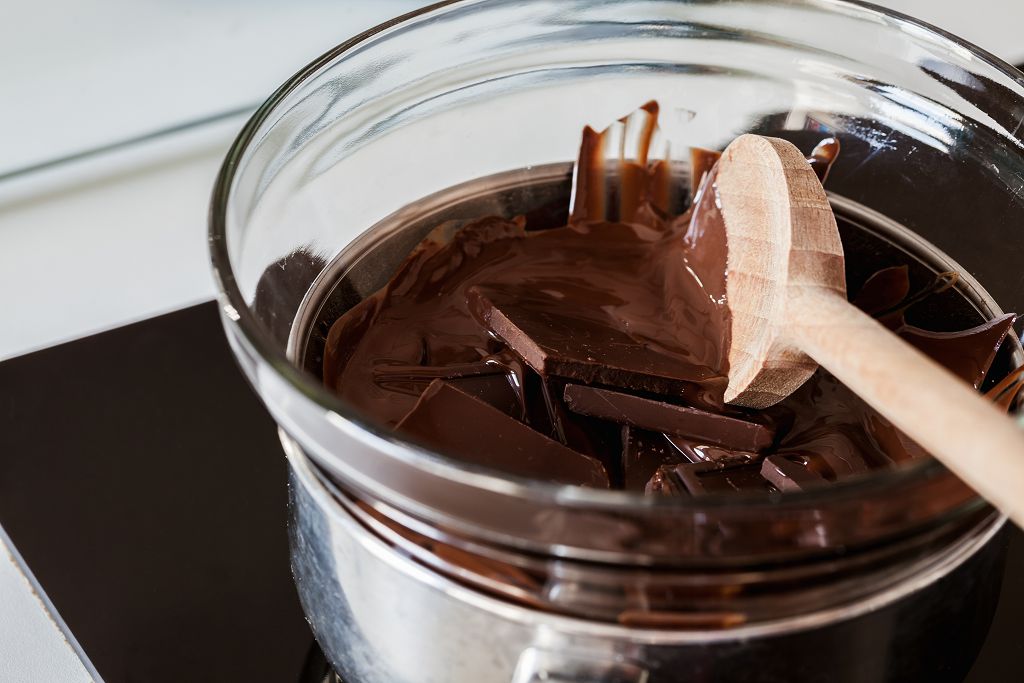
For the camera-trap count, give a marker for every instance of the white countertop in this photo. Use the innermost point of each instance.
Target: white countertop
(77, 240)
(34, 645)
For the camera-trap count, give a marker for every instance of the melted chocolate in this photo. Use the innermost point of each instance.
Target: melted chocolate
(525, 350)
(968, 354)
(823, 156)
(1005, 393)
(884, 291)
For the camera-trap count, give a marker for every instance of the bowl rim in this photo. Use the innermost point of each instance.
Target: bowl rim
(237, 317)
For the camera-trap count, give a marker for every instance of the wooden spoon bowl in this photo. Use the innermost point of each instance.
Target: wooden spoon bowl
(785, 286)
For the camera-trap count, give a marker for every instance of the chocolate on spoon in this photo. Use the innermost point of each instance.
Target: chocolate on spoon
(786, 292)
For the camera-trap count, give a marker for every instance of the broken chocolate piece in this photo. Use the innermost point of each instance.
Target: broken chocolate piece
(556, 338)
(451, 421)
(711, 428)
(786, 474)
(707, 478)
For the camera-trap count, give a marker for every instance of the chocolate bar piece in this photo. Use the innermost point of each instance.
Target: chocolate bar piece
(786, 474)
(699, 425)
(708, 478)
(705, 478)
(451, 421)
(586, 345)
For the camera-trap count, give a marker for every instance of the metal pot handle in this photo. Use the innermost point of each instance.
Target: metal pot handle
(539, 665)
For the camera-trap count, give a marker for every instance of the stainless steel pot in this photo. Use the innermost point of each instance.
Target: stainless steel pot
(384, 618)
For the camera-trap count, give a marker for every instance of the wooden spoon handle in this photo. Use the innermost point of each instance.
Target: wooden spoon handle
(942, 413)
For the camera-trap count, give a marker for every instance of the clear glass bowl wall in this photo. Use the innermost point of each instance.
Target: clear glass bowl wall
(929, 128)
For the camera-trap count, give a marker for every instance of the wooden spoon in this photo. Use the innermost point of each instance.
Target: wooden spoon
(787, 295)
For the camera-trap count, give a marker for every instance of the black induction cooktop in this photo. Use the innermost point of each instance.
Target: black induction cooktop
(144, 485)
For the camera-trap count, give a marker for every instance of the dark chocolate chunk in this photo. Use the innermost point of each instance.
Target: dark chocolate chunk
(560, 339)
(451, 421)
(709, 478)
(643, 452)
(711, 428)
(705, 478)
(787, 474)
